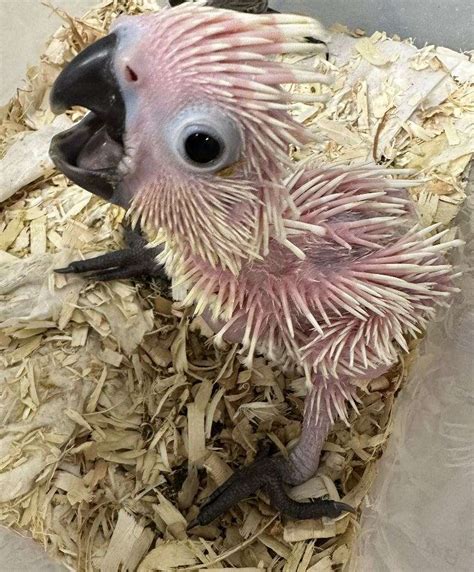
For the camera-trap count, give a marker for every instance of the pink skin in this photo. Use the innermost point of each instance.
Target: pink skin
(305, 456)
(314, 268)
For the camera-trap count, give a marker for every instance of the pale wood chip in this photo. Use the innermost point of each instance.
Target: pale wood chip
(24, 350)
(68, 306)
(189, 489)
(211, 410)
(306, 558)
(168, 555)
(76, 489)
(369, 50)
(161, 356)
(111, 357)
(178, 348)
(297, 531)
(294, 558)
(276, 545)
(174, 520)
(129, 543)
(95, 395)
(338, 132)
(324, 565)
(10, 233)
(251, 523)
(217, 468)
(196, 431)
(79, 336)
(77, 418)
(38, 235)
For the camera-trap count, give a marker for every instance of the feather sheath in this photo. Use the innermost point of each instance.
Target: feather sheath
(368, 276)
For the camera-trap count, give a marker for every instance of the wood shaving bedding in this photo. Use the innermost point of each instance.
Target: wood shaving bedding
(118, 415)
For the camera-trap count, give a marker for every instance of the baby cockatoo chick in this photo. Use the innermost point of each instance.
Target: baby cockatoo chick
(319, 269)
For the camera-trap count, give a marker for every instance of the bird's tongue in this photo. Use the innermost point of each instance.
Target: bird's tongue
(100, 152)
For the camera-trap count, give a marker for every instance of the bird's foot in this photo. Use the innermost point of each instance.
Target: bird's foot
(267, 473)
(136, 261)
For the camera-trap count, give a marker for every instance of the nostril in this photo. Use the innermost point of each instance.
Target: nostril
(130, 75)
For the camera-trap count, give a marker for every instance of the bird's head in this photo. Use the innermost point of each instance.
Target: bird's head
(188, 126)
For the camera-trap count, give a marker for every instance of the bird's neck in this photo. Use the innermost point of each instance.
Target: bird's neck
(225, 232)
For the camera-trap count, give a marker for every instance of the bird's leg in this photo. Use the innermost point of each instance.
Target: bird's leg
(136, 261)
(273, 474)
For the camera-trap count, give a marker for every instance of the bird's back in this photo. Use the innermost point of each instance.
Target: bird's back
(360, 275)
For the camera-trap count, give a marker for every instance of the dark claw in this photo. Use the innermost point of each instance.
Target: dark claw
(264, 473)
(303, 510)
(136, 261)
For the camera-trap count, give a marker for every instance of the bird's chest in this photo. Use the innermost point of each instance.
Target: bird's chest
(264, 288)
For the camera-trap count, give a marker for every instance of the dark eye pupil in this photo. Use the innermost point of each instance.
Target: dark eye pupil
(202, 148)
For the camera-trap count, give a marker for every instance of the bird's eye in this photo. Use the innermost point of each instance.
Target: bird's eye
(205, 139)
(202, 147)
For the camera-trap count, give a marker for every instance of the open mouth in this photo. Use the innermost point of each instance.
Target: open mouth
(90, 152)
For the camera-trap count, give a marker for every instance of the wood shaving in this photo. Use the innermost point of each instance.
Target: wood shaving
(118, 415)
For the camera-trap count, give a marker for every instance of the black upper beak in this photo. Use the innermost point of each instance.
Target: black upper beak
(89, 153)
(89, 81)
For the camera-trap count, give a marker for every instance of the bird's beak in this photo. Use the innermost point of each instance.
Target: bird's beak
(89, 153)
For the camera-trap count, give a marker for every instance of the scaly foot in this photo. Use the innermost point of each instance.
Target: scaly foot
(136, 261)
(267, 473)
